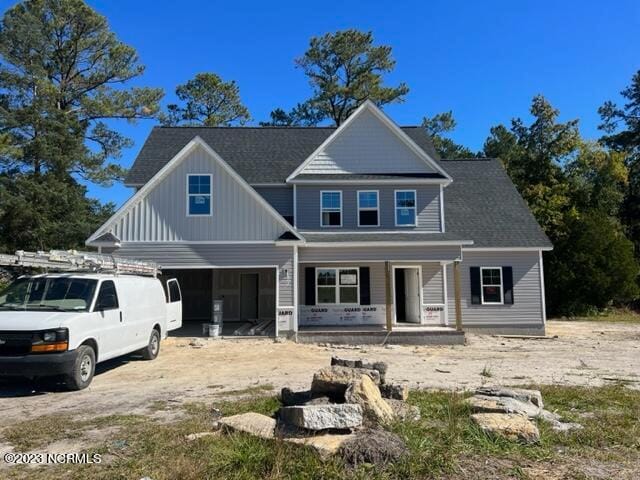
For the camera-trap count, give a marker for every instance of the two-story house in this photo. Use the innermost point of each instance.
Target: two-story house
(358, 232)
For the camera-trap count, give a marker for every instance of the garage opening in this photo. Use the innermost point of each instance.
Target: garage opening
(248, 294)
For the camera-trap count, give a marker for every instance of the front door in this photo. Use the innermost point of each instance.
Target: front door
(249, 296)
(412, 294)
(113, 339)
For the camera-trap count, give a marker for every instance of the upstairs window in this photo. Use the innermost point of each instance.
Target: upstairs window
(491, 283)
(405, 208)
(368, 208)
(198, 195)
(331, 209)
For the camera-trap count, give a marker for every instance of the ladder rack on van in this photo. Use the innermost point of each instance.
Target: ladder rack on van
(74, 261)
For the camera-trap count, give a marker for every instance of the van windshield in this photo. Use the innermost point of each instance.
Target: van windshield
(42, 293)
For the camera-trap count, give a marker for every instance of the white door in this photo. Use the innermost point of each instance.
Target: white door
(174, 305)
(412, 294)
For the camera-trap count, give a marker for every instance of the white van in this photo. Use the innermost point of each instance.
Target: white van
(66, 323)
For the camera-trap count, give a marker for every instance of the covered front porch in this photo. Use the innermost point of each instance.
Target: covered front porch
(379, 295)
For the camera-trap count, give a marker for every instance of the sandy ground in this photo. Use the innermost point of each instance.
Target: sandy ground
(584, 353)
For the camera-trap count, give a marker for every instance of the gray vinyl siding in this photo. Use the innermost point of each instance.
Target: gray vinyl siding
(427, 207)
(526, 310)
(400, 253)
(161, 215)
(280, 198)
(184, 255)
(365, 146)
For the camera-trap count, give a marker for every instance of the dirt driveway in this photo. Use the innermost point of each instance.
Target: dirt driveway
(584, 353)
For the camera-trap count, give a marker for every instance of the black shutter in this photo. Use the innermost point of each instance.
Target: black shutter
(365, 287)
(507, 283)
(310, 286)
(475, 285)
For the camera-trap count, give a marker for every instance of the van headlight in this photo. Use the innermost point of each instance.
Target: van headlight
(50, 341)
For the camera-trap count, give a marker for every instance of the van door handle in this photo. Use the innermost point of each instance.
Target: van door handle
(121, 317)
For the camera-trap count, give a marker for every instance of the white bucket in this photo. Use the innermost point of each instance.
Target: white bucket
(210, 330)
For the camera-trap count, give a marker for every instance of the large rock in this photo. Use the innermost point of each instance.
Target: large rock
(365, 392)
(322, 417)
(380, 367)
(395, 391)
(251, 423)
(486, 404)
(511, 426)
(333, 381)
(520, 394)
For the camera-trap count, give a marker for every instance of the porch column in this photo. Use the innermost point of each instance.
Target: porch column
(456, 289)
(387, 284)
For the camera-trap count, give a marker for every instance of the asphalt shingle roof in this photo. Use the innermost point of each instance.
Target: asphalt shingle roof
(481, 204)
(259, 155)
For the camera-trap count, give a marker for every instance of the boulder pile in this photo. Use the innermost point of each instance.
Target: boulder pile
(343, 411)
(511, 412)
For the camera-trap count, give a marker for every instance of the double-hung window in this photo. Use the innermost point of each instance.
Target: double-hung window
(491, 285)
(331, 209)
(198, 195)
(337, 285)
(368, 208)
(405, 203)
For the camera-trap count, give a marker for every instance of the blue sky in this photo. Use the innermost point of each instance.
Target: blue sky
(483, 60)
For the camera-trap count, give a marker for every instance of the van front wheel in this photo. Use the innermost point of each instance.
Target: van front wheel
(151, 351)
(83, 369)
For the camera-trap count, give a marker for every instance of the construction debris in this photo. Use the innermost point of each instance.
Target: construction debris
(375, 446)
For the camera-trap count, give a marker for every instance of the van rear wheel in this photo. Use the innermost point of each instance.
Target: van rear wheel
(151, 351)
(83, 369)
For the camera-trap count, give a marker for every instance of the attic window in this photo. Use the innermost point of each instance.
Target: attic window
(199, 195)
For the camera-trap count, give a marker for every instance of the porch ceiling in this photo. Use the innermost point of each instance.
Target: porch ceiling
(374, 238)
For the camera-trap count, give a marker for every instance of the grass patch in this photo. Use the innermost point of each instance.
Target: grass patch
(445, 443)
(613, 316)
(260, 389)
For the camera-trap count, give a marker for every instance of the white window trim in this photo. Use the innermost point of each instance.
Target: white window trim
(331, 210)
(501, 302)
(369, 209)
(337, 285)
(415, 208)
(189, 195)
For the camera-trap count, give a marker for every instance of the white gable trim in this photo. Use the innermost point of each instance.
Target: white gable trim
(368, 105)
(171, 165)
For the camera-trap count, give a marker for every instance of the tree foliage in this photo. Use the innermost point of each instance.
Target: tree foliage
(575, 189)
(60, 69)
(621, 125)
(437, 127)
(345, 69)
(209, 101)
(44, 211)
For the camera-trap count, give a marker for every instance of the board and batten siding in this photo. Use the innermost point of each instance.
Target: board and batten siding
(161, 215)
(367, 145)
(279, 197)
(427, 207)
(526, 311)
(363, 254)
(185, 256)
